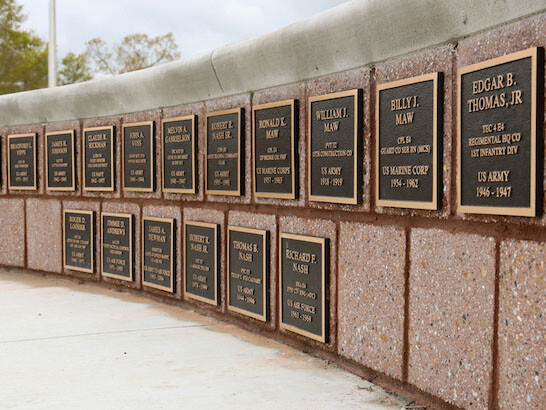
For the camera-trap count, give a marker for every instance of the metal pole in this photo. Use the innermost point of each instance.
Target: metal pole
(52, 47)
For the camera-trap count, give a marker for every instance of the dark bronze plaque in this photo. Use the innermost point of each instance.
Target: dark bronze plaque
(98, 159)
(498, 134)
(78, 243)
(60, 169)
(117, 246)
(201, 261)
(224, 164)
(179, 159)
(248, 271)
(158, 259)
(138, 157)
(334, 148)
(407, 121)
(273, 142)
(303, 266)
(22, 162)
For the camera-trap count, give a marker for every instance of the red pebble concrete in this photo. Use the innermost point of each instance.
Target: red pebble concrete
(371, 296)
(522, 325)
(452, 288)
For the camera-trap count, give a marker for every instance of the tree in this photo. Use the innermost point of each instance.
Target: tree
(23, 55)
(135, 52)
(74, 69)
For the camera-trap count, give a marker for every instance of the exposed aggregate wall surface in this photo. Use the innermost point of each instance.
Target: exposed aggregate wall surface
(444, 306)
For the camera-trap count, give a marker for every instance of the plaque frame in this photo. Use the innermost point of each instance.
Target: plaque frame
(323, 242)
(73, 186)
(266, 261)
(357, 154)
(131, 246)
(292, 104)
(240, 112)
(171, 222)
(536, 54)
(111, 128)
(91, 242)
(216, 262)
(151, 188)
(192, 190)
(35, 157)
(436, 124)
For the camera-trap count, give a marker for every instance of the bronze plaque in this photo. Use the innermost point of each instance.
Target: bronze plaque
(201, 261)
(78, 241)
(303, 267)
(22, 162)
(334, 148)
(179, 158)
(138, 157)
(408, 122)
(224, 163)
(98, 159)
(158, 239)
(117, 246)
(273, 141)
(60, 160)
(248, 272)
(497, 134)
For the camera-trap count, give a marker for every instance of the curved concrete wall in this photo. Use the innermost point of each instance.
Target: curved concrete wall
(443, 305)
(354, 34)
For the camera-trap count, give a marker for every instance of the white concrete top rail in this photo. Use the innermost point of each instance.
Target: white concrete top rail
(354, 34)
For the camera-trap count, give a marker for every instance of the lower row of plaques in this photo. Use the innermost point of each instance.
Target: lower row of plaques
(303, 265)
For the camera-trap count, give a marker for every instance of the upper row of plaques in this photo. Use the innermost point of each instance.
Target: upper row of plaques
(498, 159)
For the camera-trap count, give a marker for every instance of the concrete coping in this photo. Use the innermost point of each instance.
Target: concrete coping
(355, 34)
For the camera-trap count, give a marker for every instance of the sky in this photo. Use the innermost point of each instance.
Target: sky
(198, 25)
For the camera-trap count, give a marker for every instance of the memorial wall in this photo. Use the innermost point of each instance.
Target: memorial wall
(387, 215)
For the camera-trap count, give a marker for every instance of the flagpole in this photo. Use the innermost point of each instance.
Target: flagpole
(52, 47)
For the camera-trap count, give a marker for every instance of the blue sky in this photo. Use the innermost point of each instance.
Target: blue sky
(198, 25)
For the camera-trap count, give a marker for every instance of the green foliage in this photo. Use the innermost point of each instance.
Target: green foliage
(135, 52)
(23, 55)
(74, 69)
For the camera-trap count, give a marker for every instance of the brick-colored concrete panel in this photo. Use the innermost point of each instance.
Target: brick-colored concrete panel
(322, 229)
(12, 232)
(182, 111)
(522, 325)
(268, 223)
(88, 206)
(213, 217)
(175, 213)
(44, 235)
(371, 296)
(133, 209)
(360, 78)
(452, 287)
(222, 104)
(440, 59)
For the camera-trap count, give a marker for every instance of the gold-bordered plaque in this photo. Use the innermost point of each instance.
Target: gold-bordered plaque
(117, 238)
(163, 237)
(141, 178)
(333, 137)
(227, 159)
(64, 157)
(101, 156)
(83, 258)
(302, 283)
(408, 122)
(182, 136)
(497, 131)
(203, 263)
(274, 149)
(250, 267)
(25, 146)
